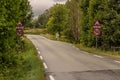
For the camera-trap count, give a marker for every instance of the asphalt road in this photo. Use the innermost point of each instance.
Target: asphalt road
(63, 61)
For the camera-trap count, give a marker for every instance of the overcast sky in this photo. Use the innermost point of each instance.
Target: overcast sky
(38, 6)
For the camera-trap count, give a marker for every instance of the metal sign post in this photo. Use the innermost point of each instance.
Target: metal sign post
(20, 34)
(96, 41)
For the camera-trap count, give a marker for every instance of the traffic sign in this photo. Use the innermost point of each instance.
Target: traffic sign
(97, 28)
(19, 29)
(19, 25)
(19, 32)
(97, 31)
(97, 23)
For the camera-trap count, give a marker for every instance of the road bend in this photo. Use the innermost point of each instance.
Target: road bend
(66, 62)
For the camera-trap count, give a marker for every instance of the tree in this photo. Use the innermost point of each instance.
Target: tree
(72, 30)
(111, 30)
(58, 19)
(84, 5)
(43, 19)
(26, 13)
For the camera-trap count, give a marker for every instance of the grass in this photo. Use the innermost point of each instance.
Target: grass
(35, 31)
(41, 32)
(98, 51)
(29, 66)
(32, 67)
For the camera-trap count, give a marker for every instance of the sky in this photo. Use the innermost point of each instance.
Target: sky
(39, 6)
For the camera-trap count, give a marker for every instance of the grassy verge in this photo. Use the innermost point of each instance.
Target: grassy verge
(41, 32)
(98, 51)
(29, 66)
(35, 31)
(32, 67)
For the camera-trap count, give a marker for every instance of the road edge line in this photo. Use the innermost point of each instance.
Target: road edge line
(117, 61)
(51, 77)
(45, 66)
(41, 57)
(98, 56)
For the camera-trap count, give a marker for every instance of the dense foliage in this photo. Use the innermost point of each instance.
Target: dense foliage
(72, 30)
(58, 19)
(107, 11)
(43, 19)
(11, 12)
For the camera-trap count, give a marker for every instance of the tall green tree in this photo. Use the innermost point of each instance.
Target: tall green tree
(58, 19)
(73, 24)
(43, 19)
(26, 13)
(111, 28)
(84, 5)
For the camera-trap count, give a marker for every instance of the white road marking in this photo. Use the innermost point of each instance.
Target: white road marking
(73, 46)
(117, 61)
(86, 52)
(41, 57)
(45, 66)
(77, 48)
(98, 56)
(51, 77)
(38, 52)
(43, 37)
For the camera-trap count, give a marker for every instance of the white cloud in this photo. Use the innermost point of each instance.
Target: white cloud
(38, 6)
(59, 0)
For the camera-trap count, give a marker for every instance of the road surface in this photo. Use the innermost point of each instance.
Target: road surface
(63, 61)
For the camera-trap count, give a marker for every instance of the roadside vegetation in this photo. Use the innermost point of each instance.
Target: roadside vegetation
(32, 68)
(29, 66)
(18, 57)
(93, 50)
(37, 31)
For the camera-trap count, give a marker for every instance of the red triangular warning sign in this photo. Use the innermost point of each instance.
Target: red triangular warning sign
(97, 23)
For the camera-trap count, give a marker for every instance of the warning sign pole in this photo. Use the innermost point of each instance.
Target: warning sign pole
(96, 41)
